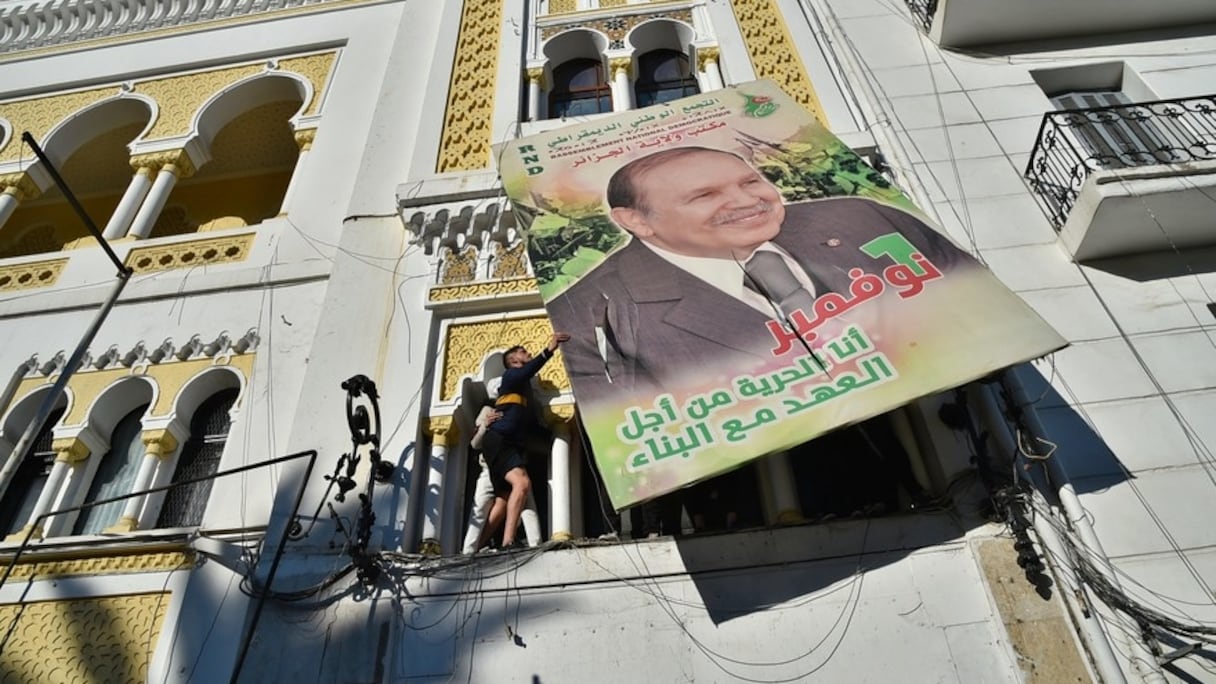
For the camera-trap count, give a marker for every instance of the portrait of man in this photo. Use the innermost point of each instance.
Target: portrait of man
(736, 281)
(715, 255)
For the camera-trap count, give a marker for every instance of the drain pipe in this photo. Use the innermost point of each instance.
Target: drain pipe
(1142, 658)
(1095, 638)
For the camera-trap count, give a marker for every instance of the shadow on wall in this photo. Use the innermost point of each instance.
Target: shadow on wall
(1089, 462)
(1159, 265)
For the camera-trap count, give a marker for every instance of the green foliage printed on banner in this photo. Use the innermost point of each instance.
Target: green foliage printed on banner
(808, 167)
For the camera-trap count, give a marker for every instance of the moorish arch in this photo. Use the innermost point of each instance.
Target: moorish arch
(91, 149)
(246, 154)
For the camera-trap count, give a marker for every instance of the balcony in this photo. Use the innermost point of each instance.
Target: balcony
(961, 23)
(1128, 179)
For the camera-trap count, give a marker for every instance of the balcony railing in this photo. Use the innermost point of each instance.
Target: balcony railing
(923, 11)
(1075, 143)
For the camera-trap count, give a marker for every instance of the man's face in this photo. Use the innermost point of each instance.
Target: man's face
(519, 358)
(705, 204)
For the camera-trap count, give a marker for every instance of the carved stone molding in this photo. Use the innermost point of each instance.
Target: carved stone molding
(617, 64)
(19, 185)
(441, 429)
(30, 275)
(158, 443)
(304, 138)
(616, 27)
(483, 290)
(459, 266)
(224, 250)
(705, 55)
(510, 262)
(70, 449)
(72, 24)
(104, 565)
(177, 162)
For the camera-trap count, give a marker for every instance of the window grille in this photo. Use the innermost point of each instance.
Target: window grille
(200, 457)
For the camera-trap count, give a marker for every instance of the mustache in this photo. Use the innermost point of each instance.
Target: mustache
(760, 207)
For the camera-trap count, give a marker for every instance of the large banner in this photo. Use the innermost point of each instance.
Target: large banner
(737, 281)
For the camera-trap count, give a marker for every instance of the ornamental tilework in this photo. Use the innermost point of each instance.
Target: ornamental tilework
(106, 639)
(617, 27)
(773, 53)
(468, 344)
(31, 275)
(193, 253)
(467, 123)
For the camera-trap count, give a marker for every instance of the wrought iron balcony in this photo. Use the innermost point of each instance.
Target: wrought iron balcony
(1075, 144)
(922, 11)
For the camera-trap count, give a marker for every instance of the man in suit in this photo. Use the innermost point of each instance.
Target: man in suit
(715, 256)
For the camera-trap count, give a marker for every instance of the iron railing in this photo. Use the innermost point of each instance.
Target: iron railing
(923, 11)
(1074, 143)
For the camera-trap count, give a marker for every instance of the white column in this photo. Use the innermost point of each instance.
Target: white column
(158, 445)
(577, 527)
(907, 439)
(173, 166)
(136, 191)
(707, 62)
(304, 140)
(622, 89)
(442, 429)
(559, 484)
(8, 204)
(535, 78)
(785, 496)
(16, 187)
(69, 451)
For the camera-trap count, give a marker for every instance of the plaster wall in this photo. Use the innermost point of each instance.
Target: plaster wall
(1128, 403)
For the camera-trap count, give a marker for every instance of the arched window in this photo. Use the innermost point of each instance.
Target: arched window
(29, 479)
(200, 457)
(579, 89)
(663, 75)
(115, 475)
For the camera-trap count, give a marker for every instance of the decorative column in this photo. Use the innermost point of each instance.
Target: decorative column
(304, 140)
(68, 452)
(16, 188)
(159, 445)
(136, 191)
(707, 64)
(907, 438)
(622, 89)
(559, 475)
(780, 476)
(441, 429)
(536, 82)
(173, 165)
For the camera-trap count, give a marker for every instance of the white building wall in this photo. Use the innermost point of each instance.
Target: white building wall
(1129, 402)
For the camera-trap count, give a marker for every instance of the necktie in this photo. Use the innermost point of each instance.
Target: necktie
(767, 273)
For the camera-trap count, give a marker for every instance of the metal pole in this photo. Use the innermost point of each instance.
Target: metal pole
(52, 396)
(247, 639)
(48, 403)
(1144, 662)
(1090, 627)
(80, 212)
(311, 453)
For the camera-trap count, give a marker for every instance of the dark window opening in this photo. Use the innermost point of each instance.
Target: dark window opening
(663, 75)
(184, 505)
(579, 89)
(29, 479)
(115, 475)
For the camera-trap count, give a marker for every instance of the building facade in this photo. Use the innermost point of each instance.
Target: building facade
(303, 196)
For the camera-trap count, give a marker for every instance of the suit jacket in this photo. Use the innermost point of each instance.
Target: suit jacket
(639, 323)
